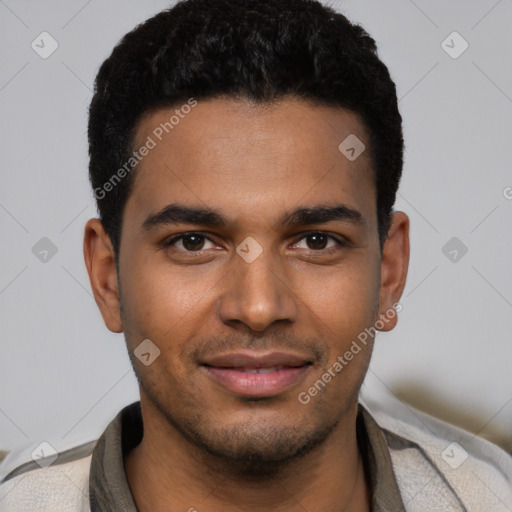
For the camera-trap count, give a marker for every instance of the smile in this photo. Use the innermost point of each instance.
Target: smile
(257, 374)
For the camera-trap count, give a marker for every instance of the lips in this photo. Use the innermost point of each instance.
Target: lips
(260, 370)
(257, 374)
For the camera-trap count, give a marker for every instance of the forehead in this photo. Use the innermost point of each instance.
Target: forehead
(259, 160)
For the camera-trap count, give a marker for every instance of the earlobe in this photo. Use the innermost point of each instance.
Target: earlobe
(394, 267)
(100, 262)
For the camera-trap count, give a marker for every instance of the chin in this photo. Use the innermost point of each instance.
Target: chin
(256, 448)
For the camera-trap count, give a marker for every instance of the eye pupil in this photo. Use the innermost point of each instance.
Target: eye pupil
(197, 242)
(318, 237)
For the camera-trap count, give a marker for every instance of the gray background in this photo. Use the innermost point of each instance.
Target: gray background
(64, 376)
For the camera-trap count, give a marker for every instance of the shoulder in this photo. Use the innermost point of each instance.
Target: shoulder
(425, 450)
(49, 482)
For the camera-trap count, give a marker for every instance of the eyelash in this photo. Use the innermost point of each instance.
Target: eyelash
(341, 242)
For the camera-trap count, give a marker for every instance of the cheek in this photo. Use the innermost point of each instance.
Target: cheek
(345, 300)
(156, 299)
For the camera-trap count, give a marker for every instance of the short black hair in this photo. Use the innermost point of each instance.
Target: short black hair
(263, 50)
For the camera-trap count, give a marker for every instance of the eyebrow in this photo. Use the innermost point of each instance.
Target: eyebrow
(181, 214)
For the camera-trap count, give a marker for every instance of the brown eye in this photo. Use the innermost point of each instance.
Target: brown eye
(189, 242)
(317, 241)
(193, 242)
(320, 242)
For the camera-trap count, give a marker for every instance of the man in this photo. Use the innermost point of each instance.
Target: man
(245, 156)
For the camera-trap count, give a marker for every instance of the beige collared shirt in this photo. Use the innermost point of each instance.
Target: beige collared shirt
(109, 489)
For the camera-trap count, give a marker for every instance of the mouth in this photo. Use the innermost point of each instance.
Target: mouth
(257, 374)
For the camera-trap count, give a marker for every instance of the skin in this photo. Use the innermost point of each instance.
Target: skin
(253, 164)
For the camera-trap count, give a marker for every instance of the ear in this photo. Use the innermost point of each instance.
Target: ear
(100, 263)
(394, 267)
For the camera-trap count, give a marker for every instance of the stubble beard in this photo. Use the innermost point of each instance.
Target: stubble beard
(252, 451)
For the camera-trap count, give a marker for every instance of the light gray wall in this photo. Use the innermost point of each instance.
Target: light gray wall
(64, 376)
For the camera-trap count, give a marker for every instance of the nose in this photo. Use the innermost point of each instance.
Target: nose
(258, 293)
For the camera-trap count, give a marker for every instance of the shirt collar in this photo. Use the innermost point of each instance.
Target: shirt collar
(109, 489)
(108, 486)
(378, 466)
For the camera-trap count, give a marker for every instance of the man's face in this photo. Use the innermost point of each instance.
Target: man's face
(242, 333)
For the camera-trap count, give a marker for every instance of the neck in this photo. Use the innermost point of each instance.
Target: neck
(167, 472)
